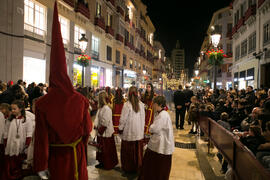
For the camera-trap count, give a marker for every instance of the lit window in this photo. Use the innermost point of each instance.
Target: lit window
(95, 44)
(109, 20)
(34, 17)
(64, 23)
(77, 35)
(98, 10)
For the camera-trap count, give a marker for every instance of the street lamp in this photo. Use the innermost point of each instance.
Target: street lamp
(196, 72)
(83, 41)
(215, 38)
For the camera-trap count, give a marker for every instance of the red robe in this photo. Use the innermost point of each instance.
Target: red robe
(149, 115)
(62, 118)
(64, 124)
(117, 109)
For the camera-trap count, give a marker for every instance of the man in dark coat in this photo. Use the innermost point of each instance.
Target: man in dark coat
(250, 97)
(180, 107)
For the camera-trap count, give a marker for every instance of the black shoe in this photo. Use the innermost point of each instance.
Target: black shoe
(195, 132)
(99, 166)
(181, 128)
(190, 132)
(189, 123)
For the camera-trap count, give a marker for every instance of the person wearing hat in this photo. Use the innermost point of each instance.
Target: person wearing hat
(63, 121)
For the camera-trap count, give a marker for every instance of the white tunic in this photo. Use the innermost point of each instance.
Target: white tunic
(104, 118)
(15, 146)
(162, 139)
(132, 123)
(2, 127)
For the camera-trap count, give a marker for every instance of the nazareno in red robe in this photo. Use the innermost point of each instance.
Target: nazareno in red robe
(116, 113)
(149, 115)
(62, 117)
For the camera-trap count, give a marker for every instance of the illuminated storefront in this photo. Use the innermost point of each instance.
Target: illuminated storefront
(94, 76)
(34, 70)
(130, 78)
(77, 74)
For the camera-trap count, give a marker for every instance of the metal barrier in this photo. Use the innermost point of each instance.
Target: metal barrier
(244, 164)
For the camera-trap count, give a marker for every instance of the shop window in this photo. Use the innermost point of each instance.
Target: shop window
(78, 31)
(124, 60)
(109, 53)
(117, 57)
(34, 17)
(64, 23)
(34, 70)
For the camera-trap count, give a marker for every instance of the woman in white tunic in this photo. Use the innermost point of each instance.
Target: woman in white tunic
(131, 128)
(158, 156)
(18, 139)
(107, 155)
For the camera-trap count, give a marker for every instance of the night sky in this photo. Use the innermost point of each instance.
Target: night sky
(183, 20)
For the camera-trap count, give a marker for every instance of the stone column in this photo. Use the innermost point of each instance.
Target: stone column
(12, 39)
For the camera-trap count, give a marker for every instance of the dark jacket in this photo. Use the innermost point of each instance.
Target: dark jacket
(188, 93)
(179, 98)
(253, 142)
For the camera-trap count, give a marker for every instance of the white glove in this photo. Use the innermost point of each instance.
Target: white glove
(44, 174)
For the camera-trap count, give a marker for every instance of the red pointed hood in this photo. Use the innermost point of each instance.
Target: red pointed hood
(58, 67)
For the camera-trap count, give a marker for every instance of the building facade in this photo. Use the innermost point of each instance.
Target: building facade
(120, 40)
(251, 43)
(159, 65)
(178, 59)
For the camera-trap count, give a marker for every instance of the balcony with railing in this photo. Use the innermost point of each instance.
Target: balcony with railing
(250, 12)
(34, 32)
(234, 30)
(112, 2)
(120, 11)
(229, 34)
(83, 8)
(138, 31)
(260, 2)
(99, 21)
(70, 3)
(127, 43)
(119, 38)
(109, 30)
(127, 19)
(241, 22)
(95, 55)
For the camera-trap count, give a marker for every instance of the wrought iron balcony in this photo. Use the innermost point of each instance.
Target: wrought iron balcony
(250, 12)
(95, 55)
(109, 30)
(240, 22)
(112, 2)
(82, 8)
(70, 2)
(99, 21)
(119, 38)
(260, 2)
(127, 19)
(120, 10)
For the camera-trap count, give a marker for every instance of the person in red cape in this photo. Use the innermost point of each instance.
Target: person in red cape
(63, 122)
(118, 103)
(149, 112)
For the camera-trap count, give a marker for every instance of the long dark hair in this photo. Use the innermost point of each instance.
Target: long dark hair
(151, 95)
(21, 106)
(133, 98)
(118, 99)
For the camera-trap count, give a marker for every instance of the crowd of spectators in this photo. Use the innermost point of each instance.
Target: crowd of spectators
(246, 113)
